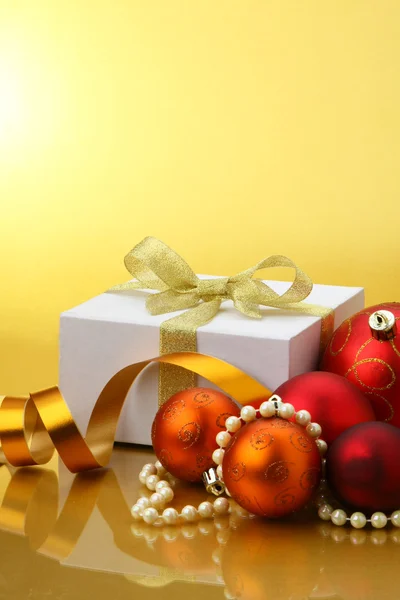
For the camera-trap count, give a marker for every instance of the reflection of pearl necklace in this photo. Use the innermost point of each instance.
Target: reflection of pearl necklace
(147, 509)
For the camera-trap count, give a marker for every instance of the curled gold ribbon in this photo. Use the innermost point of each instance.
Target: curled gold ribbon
(157, 267)
(31, 428)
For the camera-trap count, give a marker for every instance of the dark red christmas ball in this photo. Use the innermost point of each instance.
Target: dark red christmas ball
(332, 401)
(363, 469)
(371, 364)
(185, 427)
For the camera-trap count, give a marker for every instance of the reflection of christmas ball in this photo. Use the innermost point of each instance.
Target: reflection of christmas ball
(271, 467)
(333, 402)
(263, 562)
(185, 428)
(363, 469)
(371, 364)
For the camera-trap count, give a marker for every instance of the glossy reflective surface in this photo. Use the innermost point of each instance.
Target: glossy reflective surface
(69, 537)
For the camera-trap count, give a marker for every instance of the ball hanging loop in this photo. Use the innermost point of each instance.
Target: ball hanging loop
(383, 325)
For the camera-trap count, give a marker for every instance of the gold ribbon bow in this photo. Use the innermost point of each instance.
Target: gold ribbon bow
(155, 266)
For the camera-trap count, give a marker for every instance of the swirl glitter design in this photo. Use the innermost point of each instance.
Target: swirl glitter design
(336, 335)
(165, 458)
(310, 478)
(286, 497)
(237, 471)
(301, 442)
(378, 361)
(189, 434)
(261, 439)
(202, 399)
(278, 471)
(174, 410)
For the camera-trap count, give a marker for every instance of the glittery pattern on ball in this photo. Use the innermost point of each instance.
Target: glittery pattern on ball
(185, 428)
(372, 365)
(270, 469)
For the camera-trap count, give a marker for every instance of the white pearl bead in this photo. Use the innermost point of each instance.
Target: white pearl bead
(358, 520)
(314, 429)
(206, 510)
(223, 438)
(379, 520)
(286, 411)
(167, 494)
(143, 503)
(218, 456)
(233, 424)
(150, 515)
(170, 516)
(248, 413)
(221, 506)
(143, 477)
(157, 500)
(161, 484)
(152, 481)
(189, 513)
(136, 512)
(322, 447)
(325, 511)
(220, 473)
(338, 517)
(303, 417)
(395, 518)
(267, 409)
(160, 470)
(150, 469)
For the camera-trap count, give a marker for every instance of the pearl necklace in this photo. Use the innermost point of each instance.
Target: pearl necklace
(156, 479)
(357, 519)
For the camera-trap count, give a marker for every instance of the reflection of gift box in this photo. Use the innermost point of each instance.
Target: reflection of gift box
(113, 330)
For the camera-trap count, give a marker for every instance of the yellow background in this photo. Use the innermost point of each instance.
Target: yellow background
(230, 129)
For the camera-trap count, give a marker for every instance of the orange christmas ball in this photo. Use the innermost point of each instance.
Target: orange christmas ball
(272, 467)
(185, 428)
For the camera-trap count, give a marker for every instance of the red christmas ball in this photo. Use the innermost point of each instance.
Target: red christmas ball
(373, 365)
(363, 469)
(185, 427)
(271, 467)
(332, 401)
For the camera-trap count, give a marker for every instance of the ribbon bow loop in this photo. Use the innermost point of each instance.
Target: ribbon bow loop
(157, 267)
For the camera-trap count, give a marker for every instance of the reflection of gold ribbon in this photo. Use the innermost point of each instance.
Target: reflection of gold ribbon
(32, 490)
(30, 508)
(30, 428)
(156, 267)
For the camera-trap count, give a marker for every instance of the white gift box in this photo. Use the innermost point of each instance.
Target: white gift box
(113, 330)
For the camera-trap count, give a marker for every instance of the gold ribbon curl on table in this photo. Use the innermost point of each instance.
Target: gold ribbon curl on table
(32, 427)
(155, 266)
